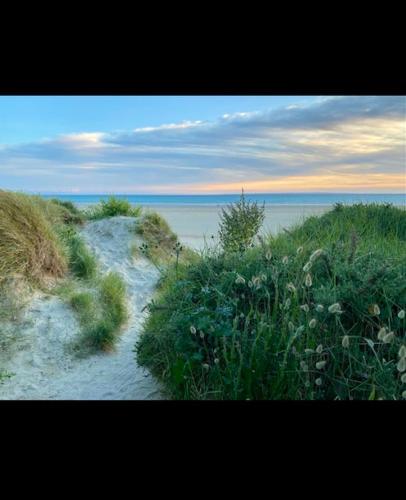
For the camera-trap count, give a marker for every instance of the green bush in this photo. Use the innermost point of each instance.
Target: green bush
(239, 224)
(314, 314)
(111, 208)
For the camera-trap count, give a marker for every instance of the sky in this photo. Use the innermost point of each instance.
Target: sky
(202, 144)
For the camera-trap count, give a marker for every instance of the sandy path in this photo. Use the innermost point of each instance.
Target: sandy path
(43, 365)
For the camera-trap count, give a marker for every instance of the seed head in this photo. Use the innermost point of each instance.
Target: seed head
(307, 267)
(312, 323)
(374, 310)
(304, 366)
(381, 333)
(346, 342)
(287, 303)
(308, 280)
(305, 308)
(402, 352)
(216, 361)
(291, 287)
(240, 280)
(268, 255)
(309, 351)
(319, 349)
(388, 338)
(299, 250)
(193, 330)
(335, 308)
(263, 277)
(201, 335)
(291, 326)
(250, 284)
(404, 394)
(206, 366)
(318, 381)
(285, 260)
(321, 364)
(403, 378)
(401, 314)
(401, 366)
(315, 255)
(319, 308)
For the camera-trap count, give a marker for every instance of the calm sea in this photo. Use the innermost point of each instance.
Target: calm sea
(271, 199)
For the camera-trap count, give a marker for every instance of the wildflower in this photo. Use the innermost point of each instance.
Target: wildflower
(291, 287)
(346, 342)
(308, 280)
(193, 330)
(239, 280)
(206, 366)
(299, 250)
(201, 335)
(291, 326)
(388, 338)
(268, 255)
(315, 255)
(401, 314)
(319, 349)
(381, 333)
(403, 378)
(216, 361)
(287, 303)
(321, 364)
(318, 381)
(401, 366)
(319, 308)
(304, 366)
(307, 267)
(312, 323)
(335, 308)
(402, 352)
(285, 260)
(374, 310)
(305, 308)
(309, 351)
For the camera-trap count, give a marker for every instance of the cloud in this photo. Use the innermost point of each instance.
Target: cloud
(334, 143)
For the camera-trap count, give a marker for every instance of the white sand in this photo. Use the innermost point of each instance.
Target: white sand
(40, 356)
(192, 223)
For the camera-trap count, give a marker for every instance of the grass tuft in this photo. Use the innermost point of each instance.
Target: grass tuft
(111, 208)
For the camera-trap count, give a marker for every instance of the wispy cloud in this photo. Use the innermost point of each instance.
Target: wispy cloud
(339, 143)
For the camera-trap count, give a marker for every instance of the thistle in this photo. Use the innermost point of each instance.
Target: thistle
(403, 378)
(307, 267)
(404, 394)
(268, 255)
(374, 310)
(309, 351)
(206, 367)
(291, 326)
(304, 366)
(285, 260)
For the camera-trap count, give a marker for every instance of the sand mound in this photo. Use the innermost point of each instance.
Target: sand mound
(40, 353)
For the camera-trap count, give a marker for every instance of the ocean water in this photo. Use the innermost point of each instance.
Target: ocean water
(223, 199)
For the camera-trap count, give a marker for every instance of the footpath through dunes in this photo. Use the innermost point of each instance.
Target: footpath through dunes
(41, 360)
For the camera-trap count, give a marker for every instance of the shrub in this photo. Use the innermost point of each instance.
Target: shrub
(28, 243)
(239, 224)
(111, 208)
(314, 314)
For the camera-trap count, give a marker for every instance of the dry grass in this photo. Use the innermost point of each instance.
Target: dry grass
(28, 244)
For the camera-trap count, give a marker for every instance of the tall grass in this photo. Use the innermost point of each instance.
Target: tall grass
(315, 313)
(111, 208)
(29, 246)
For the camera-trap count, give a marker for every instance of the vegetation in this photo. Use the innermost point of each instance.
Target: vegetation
(101, 313)
(111, 208)
(29, 246)
(315, 313)
(239, 224)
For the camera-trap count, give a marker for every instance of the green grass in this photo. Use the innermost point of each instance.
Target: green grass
(111, 208)
(257, 325)
(101, 313)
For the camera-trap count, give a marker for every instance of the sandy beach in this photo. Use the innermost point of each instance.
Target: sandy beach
(194, 223)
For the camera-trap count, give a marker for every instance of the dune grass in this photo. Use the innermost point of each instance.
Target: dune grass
(315, 313)
(29, 246)
(111, 208)
(101, 312)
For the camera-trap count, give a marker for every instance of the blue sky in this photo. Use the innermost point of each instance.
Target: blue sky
(202, 144)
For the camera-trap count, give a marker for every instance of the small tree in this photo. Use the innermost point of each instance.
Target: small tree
(239, 224)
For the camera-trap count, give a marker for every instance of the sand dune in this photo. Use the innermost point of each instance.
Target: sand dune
(41, 358)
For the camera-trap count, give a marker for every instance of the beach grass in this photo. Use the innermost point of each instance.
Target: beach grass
(317, 312)
(112, 208)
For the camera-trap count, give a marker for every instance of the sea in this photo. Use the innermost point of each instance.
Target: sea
(322, 199)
